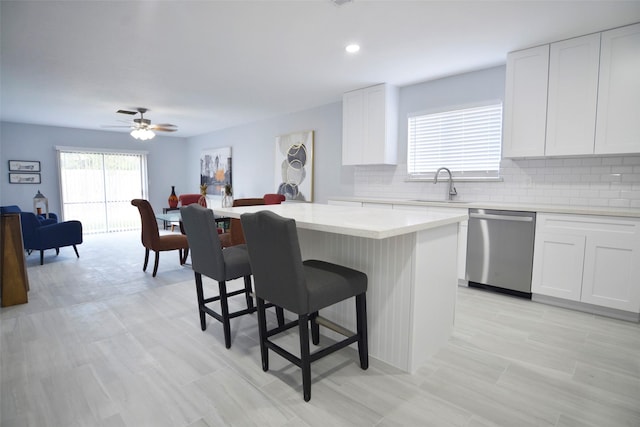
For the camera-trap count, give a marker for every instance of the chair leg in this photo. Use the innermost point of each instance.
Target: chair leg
(248, 290)
(262, 332)
(41, 257)
(184, 259)
(305, 362)
(280, 315)
(361, 321)
(224, 306)
(76, 250)
(200, 294)
(57, 251)
(146, 259)
(155, 264)
(315, 329)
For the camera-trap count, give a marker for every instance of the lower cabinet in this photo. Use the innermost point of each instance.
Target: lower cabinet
(589, 259)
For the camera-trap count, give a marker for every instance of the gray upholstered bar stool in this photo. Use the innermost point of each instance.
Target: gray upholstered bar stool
(302, 287)
(208, 258)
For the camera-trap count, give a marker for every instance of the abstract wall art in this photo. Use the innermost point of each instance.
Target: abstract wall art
(215, 169)
(294, 166)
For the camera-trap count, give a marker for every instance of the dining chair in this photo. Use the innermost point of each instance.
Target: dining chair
(303, 288)
(152, 240)
(235, 235)
(221, 264)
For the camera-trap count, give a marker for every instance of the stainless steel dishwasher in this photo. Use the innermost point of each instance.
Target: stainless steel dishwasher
(500, 250)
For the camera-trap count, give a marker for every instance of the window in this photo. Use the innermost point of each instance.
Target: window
(97, 187)
(466, 140)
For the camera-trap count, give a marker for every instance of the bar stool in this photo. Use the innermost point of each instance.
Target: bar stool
(208, 258)
(302, 287)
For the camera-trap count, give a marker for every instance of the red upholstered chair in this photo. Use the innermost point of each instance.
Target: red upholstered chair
(273, 199)
(235, 236)
(152, 240)
(187, 199)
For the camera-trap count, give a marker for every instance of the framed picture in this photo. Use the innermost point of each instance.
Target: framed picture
(24, 178)
(294, 166)
(215, 169)
(24, 165)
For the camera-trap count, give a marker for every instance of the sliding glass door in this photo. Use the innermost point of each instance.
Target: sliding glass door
(97, 188)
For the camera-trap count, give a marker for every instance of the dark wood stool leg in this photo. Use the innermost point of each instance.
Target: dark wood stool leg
(262, 332)
(226, 324)
(248, 290)
(305, 362)
(361, 321)
(280, 315)
(200, 293)
(315, 329)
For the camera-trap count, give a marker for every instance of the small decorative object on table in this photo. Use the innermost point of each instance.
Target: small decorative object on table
(202, 201)
(173, 199)
(227, 196)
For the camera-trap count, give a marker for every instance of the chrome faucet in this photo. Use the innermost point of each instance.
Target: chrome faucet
(452, 190)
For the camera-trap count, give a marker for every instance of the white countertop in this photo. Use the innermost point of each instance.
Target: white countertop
(530, 207)
(352, 221)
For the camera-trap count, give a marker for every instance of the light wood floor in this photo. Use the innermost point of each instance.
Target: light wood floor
(103, 344)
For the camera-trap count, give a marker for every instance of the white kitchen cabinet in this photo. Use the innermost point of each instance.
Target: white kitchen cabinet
(590, 259)
(618, 122)
(525, 103)
(377, 205)
(558, 261)
(573, 94)
(370, 126)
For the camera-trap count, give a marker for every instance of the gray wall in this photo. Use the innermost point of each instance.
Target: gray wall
(166, 160)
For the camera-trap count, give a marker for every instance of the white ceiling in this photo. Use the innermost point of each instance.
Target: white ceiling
(208, 65)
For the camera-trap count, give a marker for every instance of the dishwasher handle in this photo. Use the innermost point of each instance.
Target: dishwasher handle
(501, 217)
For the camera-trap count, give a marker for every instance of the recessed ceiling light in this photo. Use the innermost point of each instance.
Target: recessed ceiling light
(352, 48)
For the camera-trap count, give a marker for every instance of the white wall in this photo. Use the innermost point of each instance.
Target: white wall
(166, 160)
(253, 153)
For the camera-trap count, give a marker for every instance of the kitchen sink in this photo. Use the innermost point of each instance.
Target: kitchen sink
(438, 201)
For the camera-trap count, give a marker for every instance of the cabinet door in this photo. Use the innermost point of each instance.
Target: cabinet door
(352, 127)
(573, 91)
(557, 265)
(525, 109)
(612, 271)
(618, 117)
(374, 140)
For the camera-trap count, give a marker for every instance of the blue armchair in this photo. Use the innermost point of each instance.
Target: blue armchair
(53, 218)
(36, 236)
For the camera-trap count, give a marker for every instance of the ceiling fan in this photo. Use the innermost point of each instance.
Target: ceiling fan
(142, 128)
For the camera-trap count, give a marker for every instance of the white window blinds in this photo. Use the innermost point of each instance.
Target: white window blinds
(467, 141)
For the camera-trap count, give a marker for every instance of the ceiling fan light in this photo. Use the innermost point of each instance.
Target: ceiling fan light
(142, 134)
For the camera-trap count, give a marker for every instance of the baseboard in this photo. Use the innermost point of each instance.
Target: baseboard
(587, 308)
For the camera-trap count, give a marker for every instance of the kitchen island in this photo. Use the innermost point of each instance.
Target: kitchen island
(409, 258)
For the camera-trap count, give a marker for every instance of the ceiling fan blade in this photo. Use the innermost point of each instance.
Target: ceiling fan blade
(115, 126)
(131, 113)
(162, 128)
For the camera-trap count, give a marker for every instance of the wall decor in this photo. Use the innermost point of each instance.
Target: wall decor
(215, 169)
(294, 166)
(24, 165)
(24, 178)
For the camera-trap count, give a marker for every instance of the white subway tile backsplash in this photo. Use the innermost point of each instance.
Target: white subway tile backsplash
(594, 181)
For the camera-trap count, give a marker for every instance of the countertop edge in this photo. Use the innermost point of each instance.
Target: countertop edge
(531, 207)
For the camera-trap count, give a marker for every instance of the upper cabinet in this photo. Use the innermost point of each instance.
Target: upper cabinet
(370, 126)
(618, 122)
(582, 97)
(573, 93)
(525, 103)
